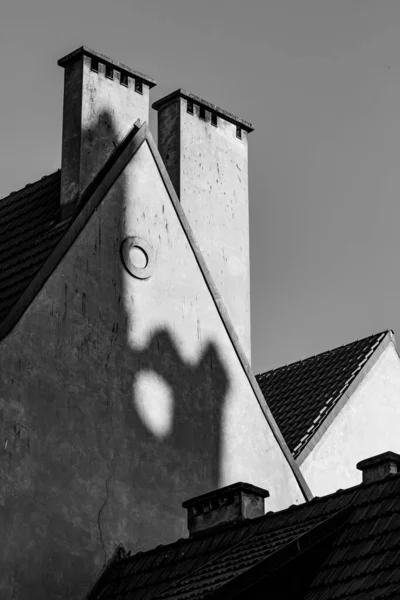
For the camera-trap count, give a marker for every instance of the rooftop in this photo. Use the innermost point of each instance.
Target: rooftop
(352, 535)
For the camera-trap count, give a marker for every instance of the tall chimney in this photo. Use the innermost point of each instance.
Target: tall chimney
(379, 466)
(205, 152)
(234, 502)
(102, 100)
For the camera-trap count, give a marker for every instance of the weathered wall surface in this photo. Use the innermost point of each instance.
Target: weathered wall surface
(119, 399)
(213, 189)
(368, 424)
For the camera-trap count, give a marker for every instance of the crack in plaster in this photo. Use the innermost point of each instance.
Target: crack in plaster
(99, 516)
(103, 506)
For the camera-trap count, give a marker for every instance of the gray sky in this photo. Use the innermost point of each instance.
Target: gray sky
(319, 79)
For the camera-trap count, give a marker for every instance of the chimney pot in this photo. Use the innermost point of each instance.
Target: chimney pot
(379, 466)
(234, 502)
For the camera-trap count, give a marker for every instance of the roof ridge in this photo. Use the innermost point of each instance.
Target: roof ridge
(319, 354)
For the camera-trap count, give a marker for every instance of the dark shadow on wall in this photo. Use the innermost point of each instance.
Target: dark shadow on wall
(96, 475)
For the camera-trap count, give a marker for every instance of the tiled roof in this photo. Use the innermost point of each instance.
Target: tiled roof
(30, 228)
(302, 394)
(361, 558)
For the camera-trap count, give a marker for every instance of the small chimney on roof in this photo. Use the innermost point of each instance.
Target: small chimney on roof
(379, 466)
(234, 502)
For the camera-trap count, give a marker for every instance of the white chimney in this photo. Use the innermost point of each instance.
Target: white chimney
(205, 152)
(102, 100)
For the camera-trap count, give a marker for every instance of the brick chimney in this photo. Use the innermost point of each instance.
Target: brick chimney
(102, 100)
(379, 466)
(205, 152)
(231, 503)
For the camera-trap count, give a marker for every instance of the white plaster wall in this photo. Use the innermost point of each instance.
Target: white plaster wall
(367, 425)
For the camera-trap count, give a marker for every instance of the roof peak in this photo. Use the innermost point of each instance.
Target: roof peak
(381, 334)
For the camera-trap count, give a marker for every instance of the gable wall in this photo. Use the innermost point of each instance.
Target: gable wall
(368, 424)
(119, 399)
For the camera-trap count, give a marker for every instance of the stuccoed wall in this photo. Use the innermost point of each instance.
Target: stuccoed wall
(368, 424)
(119, 399)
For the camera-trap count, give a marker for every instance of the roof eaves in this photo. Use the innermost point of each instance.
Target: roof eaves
(328, 414)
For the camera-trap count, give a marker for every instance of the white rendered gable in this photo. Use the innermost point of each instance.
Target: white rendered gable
(368, 424)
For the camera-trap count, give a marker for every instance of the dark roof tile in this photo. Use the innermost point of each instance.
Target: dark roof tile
(30, 228)
(301, 395)
(362, 558)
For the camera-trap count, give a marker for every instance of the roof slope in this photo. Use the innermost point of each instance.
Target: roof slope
(302, 394)
(362, 554)
(30, 228)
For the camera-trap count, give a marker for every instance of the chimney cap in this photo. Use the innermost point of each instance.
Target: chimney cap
(235, 487)
(208, 105)
(84, 50)
(379, 459)
(379, 466)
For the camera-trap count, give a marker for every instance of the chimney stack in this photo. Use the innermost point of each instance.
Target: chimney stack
(204, 149)
(234, 502)
(102, 100)
(379, 466)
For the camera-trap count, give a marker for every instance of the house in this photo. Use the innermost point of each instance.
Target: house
(345, 545)
(337, 407)
(126, 384)
(124, 336)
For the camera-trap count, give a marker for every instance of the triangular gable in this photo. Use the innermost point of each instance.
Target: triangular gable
(306, 396)
(91, 199)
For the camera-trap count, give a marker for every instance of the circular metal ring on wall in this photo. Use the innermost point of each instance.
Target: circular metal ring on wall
(137, 257)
